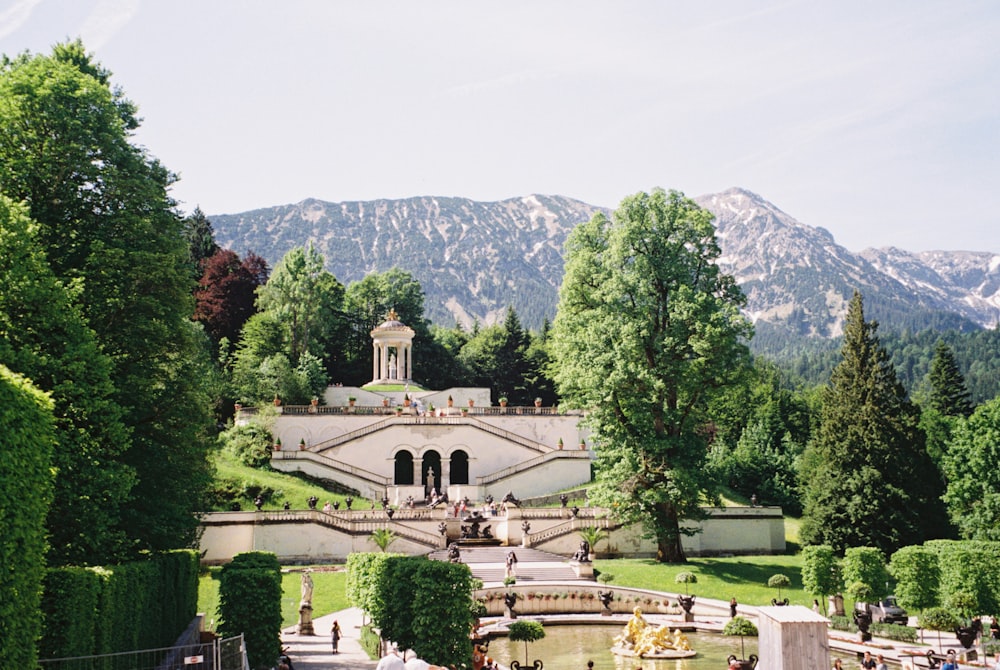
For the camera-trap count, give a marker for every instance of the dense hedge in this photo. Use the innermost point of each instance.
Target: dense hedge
(889, 631)
(139, 605)
(26, 425)
(371, 642)
(250, 603)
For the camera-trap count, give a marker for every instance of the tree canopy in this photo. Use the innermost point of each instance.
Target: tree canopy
(111, 235)
(648, 330)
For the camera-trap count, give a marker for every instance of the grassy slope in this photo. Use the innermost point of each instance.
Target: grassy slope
(287, 487)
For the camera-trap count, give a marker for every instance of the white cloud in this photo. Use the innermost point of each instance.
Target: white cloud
(106, 20)
(16, 15)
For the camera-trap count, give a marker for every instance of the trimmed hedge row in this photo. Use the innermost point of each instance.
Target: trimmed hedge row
(139, 605)
(889, 631)
(27, 427)
(371, 642)
(250, 603)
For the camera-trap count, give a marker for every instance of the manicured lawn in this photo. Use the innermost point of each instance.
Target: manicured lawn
(328, 593)
(744, 577)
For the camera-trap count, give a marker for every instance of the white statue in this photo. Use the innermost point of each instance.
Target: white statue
(307, 589)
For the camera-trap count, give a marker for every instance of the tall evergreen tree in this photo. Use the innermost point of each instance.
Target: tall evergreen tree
(869, 480)
(949, 395)
(648, 330)
(200, 238)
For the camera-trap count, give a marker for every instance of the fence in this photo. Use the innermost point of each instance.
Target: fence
(217, 654)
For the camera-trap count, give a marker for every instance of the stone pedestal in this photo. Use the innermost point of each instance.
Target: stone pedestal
(583, 569)
(306, 620)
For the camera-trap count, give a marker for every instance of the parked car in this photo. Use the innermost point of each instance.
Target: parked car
(885, 611)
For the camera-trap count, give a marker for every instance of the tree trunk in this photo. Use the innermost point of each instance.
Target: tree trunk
(668, 536)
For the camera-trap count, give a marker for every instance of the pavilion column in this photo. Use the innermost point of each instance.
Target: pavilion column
(418, 466)
(409, 361)
(375, 376)
(384, 357)
(445, 473)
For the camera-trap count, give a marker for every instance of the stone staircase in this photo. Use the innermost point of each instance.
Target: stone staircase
(488, 563)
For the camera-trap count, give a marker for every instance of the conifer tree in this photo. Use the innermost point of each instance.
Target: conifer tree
(868, 478)
(949, 394)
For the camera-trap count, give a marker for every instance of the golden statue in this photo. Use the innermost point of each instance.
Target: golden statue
(643, 640)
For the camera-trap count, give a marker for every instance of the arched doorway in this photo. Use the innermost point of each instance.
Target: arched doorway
(459, 467)
(403, 471)
(432, 461)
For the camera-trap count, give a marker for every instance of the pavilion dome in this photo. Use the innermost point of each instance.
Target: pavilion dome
(392, 322)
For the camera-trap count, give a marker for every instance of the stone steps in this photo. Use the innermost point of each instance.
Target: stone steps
(489, 564)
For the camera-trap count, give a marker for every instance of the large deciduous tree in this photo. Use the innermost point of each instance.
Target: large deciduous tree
(868, 478)
(648, 330)
(226, 292)
(44, 337)
(110, 231)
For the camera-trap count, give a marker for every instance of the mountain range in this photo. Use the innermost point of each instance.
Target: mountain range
(473, 259)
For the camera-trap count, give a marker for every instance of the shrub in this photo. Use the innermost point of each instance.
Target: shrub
(250, 444)
(605, 578)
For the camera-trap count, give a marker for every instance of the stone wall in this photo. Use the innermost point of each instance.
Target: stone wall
(304, 536)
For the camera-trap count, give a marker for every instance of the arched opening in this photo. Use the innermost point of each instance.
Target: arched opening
(431, 464)
(459, 467)
(403, 473)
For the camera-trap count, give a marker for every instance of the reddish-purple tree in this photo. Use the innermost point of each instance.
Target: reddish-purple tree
(226, 292)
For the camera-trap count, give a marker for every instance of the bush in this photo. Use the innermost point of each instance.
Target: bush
(605, 578)
(250, 444)
(894, 631)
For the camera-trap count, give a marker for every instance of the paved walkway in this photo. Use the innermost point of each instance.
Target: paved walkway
(313, 652)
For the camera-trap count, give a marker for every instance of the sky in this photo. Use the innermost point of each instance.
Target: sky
(879, 121)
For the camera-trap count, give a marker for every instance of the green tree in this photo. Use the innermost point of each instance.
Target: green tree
(865, 573)
(648, 329)
(820, 571)
(305, 299)
(425, 607)
(497, 357)
(868, 478)
(44, 337)
(200, 238)
(970, 468)
(917, 576)
(525, 631)
(110, 231)
(949, 394)
(26, 423)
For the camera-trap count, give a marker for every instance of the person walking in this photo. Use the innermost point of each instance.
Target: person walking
(511, 565)
(335, 635)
